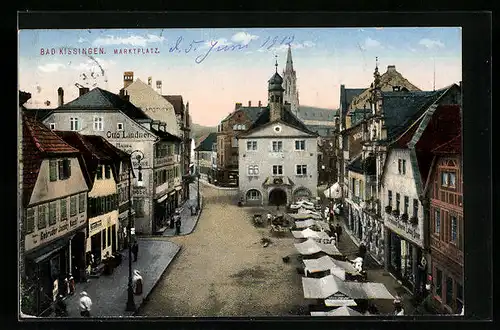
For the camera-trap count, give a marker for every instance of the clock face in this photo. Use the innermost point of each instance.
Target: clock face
(277, 128)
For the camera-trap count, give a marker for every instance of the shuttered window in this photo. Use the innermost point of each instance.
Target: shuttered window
(72, 206)
(29, 224)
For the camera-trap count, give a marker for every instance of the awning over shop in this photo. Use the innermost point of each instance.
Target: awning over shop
(335, 191)
(172, 193)
(49, 249)
(309, 212)
(309, 233)
(339, 301)
(321, 288)
(311, 247)
(341, 311)
(178, 188)
(162, 199)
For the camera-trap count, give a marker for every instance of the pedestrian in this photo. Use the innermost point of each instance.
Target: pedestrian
(178, 225)
(60, 307)
(338, 231)
(85, 304)
(362, 250)
(135, 250)
(397, 304)
(137, 282)
(332, 219)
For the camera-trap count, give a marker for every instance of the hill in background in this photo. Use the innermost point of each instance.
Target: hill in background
(197, 131)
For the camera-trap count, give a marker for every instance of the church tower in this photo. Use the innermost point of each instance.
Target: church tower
(275, 96)
(290, 83)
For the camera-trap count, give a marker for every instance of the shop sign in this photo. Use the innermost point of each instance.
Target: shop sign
(48, 233)
(404, 228)
(96, 225)
(63, 227)
(139, 191)
(73, 222)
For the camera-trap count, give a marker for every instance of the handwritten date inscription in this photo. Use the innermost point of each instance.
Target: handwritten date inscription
(181, 46)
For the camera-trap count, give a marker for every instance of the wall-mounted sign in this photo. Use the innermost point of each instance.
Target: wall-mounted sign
(96, 225)
(404, 229)
(63, 227)
(48, 233)
(128, 135)
(358, 135)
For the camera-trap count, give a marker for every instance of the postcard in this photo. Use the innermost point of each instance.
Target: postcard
(240, 172)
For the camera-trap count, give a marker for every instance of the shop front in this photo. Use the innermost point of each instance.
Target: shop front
(354, 220)
(373, 236)
(102, 239)
(160, 212)
(46, 269)
(403, 260)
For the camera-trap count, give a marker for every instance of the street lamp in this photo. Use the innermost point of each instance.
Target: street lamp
(140, 156)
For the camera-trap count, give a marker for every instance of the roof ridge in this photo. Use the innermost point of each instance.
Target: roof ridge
(32, 133)
(448, 142)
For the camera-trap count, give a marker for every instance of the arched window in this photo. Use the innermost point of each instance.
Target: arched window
(253, 195)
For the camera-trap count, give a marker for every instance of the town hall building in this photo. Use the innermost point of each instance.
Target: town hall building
(278, 161)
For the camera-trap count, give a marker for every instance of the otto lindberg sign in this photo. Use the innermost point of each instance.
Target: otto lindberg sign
(128, 135)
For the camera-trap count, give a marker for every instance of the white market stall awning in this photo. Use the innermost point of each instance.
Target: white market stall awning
(325, 263)
(304, 216)
(340, 301)
(302, 204)
(309, 233)
(335, 191)
(322, 288)
(310, 212)
(311, 247)
(341, 311)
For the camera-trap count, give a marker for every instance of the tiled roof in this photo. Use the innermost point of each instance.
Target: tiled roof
(24, 97)
(100, 99)
(288, 118)
(39, 142)
(94, 150)
(39, 114)
(321, 130)
(347, 95)
(402, 108)
(207, 142)
(177, 102)
(454, 146)
(358, 114)
(166, 136)
(251, 112)
(313, 113)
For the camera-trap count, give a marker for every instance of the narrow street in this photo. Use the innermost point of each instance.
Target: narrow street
(223, 269)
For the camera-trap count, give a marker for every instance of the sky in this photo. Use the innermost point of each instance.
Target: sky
(215, 68)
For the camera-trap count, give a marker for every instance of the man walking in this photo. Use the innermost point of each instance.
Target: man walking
(338, 230)
(85, 304)
(135, 250)
(178, 225)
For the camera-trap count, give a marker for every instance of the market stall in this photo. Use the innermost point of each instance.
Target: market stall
(311, 247)
(341, 311)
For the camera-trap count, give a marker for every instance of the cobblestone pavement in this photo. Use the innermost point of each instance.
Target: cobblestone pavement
(109, 293)
(224, 270)
(188, 221)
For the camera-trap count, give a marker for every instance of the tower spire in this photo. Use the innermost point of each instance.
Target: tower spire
(276, 65)
(289, 62)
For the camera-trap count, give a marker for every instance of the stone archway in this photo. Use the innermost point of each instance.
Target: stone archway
(277, 197)
(301, 193)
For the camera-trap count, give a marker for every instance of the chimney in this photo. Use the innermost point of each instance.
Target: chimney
(158, 86)
(128, 78)
(124, 95)
(249, 104)
(391, 68)
(150, 81)
(237, 106)
(83, 90)
(260, 103)
(186, 117)
(60, 96)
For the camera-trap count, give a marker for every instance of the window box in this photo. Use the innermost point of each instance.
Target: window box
(395, 213)
(388, 209)
(404, 217)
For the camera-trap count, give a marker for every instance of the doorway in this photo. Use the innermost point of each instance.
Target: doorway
(277, 197)
(78, 244)
(113, 239)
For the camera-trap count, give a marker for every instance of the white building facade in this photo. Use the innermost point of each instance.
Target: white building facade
(278, 155)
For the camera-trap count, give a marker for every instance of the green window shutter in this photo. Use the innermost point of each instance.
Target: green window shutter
(53, 169)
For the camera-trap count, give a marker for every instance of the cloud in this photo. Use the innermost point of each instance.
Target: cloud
(51, 67)
(243, 38)
(371, 43)
(413, 50)
(220, 42)
(430, 44)
(81, 40)
(91, 65)
(133, 40)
